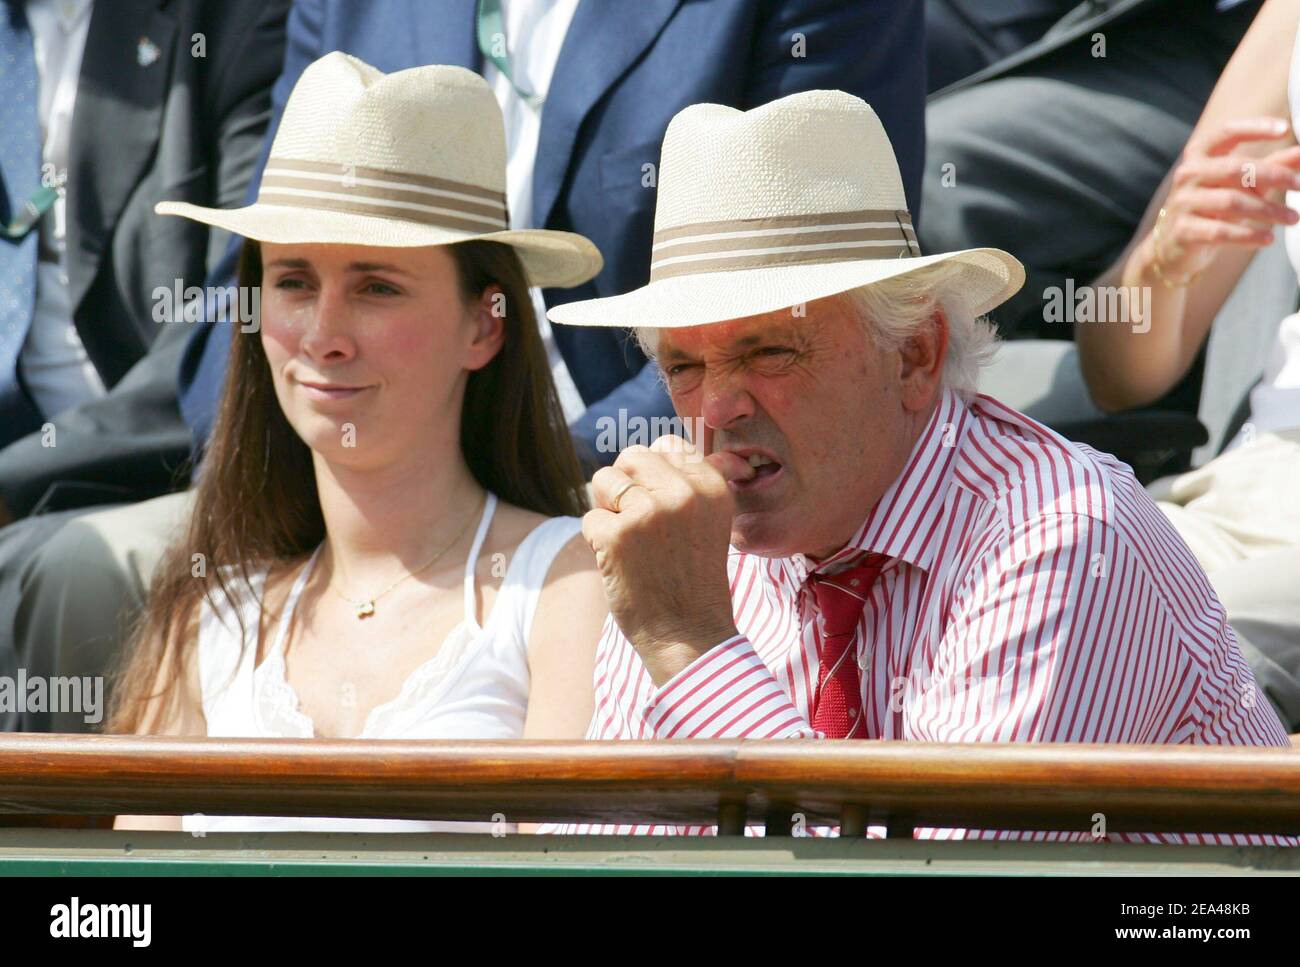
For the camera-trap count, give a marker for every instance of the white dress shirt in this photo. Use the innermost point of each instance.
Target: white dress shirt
(535, 31)
(1033, 593)
(54, 363)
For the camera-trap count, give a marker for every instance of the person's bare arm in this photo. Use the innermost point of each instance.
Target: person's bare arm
(179, 712)
(562, 648)
(1222, 201)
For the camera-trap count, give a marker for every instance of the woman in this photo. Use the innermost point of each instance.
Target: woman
(385, 541)
(1219, 206)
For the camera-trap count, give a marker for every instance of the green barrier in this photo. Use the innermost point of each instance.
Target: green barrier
(52, 852)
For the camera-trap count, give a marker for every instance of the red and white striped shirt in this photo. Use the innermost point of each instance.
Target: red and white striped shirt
(1034, 593)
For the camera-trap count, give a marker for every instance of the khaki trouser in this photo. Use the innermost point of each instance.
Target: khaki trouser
(1240, 515)
(83, 590)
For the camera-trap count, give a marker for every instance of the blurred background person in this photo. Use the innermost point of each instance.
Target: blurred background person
(106, 108)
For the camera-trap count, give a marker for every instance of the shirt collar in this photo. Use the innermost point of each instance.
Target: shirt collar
(66, 13)
(904, 523)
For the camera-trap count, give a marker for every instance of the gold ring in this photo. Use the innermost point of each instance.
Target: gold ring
(614, 501)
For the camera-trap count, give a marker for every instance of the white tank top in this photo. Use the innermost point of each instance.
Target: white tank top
(474, 687)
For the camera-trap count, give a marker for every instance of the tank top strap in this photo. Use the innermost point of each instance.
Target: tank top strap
(471, 562)
(286, 613)
(224, 653)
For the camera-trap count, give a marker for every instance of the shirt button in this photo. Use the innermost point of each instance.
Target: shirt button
(854, 582)
(853, 713)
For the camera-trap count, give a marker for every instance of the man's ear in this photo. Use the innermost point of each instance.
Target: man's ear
(921, 359)
(487, 313)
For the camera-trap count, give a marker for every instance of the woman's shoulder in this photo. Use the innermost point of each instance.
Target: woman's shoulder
(512, 526)
(537, 546)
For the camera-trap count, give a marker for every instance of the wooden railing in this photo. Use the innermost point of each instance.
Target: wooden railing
(854, 784)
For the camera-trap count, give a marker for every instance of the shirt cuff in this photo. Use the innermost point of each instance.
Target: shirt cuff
(726, 693)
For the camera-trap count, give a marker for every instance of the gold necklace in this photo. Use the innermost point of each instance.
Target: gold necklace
(366, 608)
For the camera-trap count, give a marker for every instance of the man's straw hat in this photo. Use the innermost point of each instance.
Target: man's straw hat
(398, 160)
(760, 210)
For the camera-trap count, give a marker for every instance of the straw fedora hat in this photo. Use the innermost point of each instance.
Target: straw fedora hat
(417, 157)
(760, 210)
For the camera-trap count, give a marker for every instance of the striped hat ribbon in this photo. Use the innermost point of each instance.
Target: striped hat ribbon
(388, 194)
(782, 240)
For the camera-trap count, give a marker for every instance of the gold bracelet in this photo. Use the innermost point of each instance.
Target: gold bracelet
(1157, 259)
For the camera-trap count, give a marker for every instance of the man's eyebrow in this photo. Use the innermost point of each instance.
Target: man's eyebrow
(673, 354)
(744, 342)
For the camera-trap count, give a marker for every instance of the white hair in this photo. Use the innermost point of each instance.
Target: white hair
(894, 310)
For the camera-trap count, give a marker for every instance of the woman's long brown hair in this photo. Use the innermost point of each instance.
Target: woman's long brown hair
(256, 503)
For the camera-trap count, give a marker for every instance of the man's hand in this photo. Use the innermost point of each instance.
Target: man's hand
(660, 531)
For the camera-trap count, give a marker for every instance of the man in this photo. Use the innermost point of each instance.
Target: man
(105, 109)
(908, 559)
(587, 89)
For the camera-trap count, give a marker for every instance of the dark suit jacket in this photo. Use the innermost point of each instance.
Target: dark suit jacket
(965, 36)
(184, 127)
(1093, 16)
(625, 69)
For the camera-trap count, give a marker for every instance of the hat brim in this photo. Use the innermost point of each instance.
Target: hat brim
(550, 258)
(991, 276)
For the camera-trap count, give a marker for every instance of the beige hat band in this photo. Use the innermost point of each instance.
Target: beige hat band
(787, 240)
(370, 191)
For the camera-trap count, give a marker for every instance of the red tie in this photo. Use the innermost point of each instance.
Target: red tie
(837, 704)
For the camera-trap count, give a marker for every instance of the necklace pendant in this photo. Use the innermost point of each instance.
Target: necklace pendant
(365, 609)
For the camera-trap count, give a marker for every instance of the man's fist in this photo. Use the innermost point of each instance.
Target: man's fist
(660, 530)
